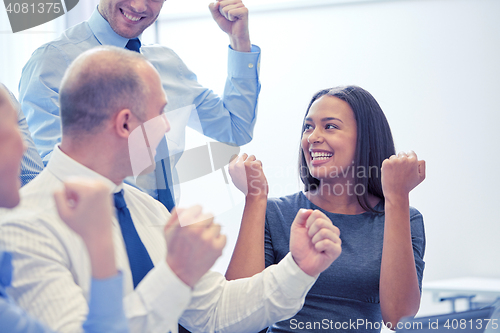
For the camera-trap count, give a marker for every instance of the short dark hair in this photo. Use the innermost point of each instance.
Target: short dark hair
(93, 90)
(374, 141)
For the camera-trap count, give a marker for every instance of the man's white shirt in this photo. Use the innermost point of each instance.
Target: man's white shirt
(52, 269)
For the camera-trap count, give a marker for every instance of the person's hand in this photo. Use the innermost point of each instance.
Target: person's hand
(232, 18)
(193, 249)
(247, 175)
(314, 241)
(401, 174)
(85, 205)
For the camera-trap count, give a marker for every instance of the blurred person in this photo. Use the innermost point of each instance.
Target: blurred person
(84, 206)
(31, 163)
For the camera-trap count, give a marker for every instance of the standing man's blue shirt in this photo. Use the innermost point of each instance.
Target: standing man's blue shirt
(229, 119)
(105, 308)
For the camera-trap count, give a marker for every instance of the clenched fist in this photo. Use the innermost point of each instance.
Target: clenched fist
(247, 175)
(193, 249)
(85, 205)
(401, 174)
(232, 18)
(314, 241)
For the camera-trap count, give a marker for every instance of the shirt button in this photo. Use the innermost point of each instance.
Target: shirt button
(250, 65)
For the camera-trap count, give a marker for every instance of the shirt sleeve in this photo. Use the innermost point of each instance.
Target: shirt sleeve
(418, 242)
(230, 119)
(157, 302)
(43, 283)
(105, 311)
(13, 319)
(105, 314)
(39, 97)
(106, 306)
(46, 284)
(268, 245)
(250, 304)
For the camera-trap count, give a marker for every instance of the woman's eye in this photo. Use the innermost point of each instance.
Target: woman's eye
(331, 126)
(307, 127)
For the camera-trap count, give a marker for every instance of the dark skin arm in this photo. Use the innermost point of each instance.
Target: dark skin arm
(248, 256)
(399, 291)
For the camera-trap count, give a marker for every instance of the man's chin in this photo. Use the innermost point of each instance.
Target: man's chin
(129, 31)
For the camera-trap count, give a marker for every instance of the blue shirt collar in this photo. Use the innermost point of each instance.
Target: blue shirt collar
(103, 31)
(5, 272)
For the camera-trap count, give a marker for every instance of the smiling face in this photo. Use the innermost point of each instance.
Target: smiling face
(11, 152)
(129, 18)
(329, 139)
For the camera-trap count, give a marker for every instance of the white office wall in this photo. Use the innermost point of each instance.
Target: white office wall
(433, 65)
(16, 49)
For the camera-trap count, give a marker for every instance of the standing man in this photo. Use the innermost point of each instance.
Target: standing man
(120, 23)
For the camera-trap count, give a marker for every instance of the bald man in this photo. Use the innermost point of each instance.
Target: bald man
(100, 113)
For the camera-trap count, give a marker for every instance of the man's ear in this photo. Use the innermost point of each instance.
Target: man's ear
(123, 123)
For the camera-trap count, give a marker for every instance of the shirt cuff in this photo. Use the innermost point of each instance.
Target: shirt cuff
(244, 64)
(164, 294)
(292, 279)
(106, 306)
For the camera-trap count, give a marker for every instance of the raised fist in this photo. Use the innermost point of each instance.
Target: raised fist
(232, 18)
(401, 173)
(247, 175)
(194, 248)
(314, 241)
(85, 205)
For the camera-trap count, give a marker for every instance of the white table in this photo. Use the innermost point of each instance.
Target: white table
(466, 286)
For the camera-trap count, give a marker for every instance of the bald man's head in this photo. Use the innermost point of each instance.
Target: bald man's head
(99, 83)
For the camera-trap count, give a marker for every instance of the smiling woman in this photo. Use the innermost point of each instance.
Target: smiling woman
(352, 128)
(346, 140)
(329, 138)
